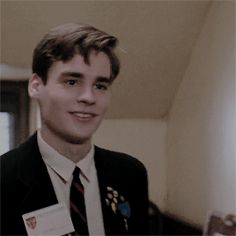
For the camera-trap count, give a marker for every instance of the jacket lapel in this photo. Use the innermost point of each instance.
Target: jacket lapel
(34, 181)
(113, 223)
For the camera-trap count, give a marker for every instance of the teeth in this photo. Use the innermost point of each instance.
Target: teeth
(82, 115)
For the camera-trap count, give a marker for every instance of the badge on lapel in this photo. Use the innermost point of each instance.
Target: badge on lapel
(118, 204)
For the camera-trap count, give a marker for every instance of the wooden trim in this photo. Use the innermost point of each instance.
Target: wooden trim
(14, 99)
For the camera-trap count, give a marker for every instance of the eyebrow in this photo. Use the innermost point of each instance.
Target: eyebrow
(72, 74)
(78, 75)
(102, 79)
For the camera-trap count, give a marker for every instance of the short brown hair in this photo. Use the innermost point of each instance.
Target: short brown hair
(64, 41)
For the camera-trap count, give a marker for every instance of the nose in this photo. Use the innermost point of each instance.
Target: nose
(86, 95)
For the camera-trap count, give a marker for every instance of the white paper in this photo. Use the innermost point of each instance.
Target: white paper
(53, 220)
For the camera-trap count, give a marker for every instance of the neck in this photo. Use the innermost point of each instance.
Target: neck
(73, 151)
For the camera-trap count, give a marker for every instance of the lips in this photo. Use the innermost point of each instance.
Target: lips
(83, 115)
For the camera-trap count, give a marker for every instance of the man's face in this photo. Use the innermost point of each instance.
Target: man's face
(75, 98)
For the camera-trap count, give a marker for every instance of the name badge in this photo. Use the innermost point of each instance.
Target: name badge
(53, 220)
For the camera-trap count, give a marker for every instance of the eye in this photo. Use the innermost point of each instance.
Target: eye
(71, 82)
(101, 86)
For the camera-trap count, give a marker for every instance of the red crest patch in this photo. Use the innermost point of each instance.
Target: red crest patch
(31, 222)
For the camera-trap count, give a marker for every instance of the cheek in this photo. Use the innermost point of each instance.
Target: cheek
(50, 102)
(105, 103)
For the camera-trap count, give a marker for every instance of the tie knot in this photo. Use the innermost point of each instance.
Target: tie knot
(76, 172)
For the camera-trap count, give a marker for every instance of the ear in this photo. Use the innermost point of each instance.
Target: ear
(34, 86)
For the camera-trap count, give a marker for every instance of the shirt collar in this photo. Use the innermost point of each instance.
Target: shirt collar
(63, 166)
(86, 164)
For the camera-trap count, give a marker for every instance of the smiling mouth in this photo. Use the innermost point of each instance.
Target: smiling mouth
(83, 115)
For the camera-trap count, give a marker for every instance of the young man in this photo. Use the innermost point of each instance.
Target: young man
(74, 67)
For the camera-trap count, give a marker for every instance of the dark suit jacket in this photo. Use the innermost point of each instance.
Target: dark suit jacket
(26, 186)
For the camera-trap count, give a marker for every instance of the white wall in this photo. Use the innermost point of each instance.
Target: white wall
(202, 125)
(145, 140)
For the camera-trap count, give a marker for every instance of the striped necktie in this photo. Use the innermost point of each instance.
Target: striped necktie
(77, 205)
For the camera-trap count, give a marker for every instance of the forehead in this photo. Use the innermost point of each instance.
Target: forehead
(98, 64)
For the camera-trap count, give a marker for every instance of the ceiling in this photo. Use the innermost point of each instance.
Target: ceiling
(156, 40)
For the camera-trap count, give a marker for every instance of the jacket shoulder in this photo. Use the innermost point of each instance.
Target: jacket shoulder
(12, 158)
(119, 160)
(23, 148)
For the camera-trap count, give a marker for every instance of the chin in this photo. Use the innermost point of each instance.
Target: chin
(79, 139)
(76, 139)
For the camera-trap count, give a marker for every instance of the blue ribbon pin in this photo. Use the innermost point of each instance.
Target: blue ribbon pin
(124, 209)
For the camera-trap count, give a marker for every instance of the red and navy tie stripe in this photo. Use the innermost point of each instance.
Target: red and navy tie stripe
(77, 205)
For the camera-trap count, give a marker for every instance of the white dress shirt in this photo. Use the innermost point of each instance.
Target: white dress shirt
(60, 170)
